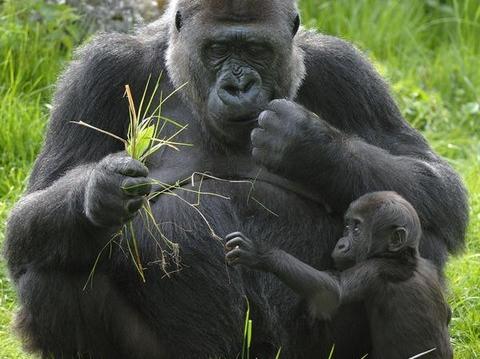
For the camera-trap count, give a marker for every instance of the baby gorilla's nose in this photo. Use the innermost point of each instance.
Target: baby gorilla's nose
(343, 246)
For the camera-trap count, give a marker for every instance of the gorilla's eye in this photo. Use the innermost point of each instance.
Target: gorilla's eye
(217, 51)
(178, 21)
(296, 25)
(258, 51)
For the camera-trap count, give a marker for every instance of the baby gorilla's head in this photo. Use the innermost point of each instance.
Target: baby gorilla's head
(378, 224)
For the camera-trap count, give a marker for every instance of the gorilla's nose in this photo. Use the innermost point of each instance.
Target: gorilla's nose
(343, 246)
(242, 90)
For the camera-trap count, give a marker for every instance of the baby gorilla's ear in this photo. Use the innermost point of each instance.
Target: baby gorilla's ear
(398, 239)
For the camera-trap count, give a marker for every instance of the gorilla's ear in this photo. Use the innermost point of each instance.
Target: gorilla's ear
(296, 25)
(398, 239)
(178, 21)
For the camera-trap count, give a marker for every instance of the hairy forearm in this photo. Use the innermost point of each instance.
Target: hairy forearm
(316, 286)
(48, 227)
(355, 167)
(352, 167)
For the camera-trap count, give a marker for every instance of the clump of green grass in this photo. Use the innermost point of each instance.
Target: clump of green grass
(143, 140)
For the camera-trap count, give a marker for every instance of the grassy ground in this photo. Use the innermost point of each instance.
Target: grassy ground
(428, 50)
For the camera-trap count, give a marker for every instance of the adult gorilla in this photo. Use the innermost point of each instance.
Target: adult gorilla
(334, 135)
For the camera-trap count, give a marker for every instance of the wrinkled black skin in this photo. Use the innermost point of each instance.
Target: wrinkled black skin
(340, 137)
(402, 292)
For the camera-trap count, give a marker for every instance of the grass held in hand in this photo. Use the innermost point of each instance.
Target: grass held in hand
(144, 138)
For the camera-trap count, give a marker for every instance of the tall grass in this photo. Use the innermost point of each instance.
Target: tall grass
(35, 41)
(428, 50)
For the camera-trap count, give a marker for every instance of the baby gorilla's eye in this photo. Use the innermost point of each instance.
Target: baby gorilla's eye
(356, 230)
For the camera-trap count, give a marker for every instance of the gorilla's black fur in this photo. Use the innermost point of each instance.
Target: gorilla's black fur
(336, 135)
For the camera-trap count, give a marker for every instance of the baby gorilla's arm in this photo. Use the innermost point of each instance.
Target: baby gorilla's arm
(321, 289)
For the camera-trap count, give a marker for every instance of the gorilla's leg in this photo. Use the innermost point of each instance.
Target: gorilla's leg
(62, 320)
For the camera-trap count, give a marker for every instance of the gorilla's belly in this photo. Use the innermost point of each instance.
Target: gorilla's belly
(205, 290)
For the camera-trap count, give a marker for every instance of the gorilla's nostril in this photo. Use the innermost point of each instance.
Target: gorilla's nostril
(232, 90)
(249, 85)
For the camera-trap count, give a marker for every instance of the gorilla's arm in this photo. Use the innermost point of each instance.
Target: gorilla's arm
(359, 144)
(66, 224)
(81, 190)
(53, 226)
(324, 291)
(320, 289)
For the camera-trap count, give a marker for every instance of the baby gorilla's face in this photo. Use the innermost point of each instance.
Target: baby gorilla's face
(345, 252)
(378, 224)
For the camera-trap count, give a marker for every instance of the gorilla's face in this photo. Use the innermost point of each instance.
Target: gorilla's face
(236, 55)
(238, 61)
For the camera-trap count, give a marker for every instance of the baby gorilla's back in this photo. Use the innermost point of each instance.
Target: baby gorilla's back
(409, 317)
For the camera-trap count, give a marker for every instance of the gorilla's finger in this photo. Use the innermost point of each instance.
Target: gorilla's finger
(235, 242)
(127, 166)
(134, 205)
(233, 235)
(280, 106)
(268, 120)
(259, 154)
(137, 186)
(235, 254)
(258, 137)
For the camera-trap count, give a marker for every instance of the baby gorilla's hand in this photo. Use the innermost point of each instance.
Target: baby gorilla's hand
(242, 250)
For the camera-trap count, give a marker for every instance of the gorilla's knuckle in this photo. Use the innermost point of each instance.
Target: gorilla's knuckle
(262, 117)
(278, 105)
(114, 163)
(236, 234)
(257, 137)
(256, 132)
(134, 205)
(266, 118)
(257, 153)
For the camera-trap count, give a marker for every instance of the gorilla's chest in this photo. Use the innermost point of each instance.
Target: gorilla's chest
(263, 211)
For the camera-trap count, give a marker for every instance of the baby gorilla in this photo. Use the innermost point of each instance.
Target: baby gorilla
(381, 266)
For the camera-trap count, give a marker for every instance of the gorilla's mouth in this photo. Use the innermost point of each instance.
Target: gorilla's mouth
(245, 119)
(239, 112)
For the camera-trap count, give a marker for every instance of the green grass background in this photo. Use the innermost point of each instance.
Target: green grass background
(428, 50)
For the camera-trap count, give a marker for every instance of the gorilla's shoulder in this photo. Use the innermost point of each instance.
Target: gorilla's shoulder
(345, 78)
(328, 56)
(115, 57)
(325, 52)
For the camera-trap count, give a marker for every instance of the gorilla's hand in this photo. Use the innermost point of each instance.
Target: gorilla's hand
(116, 190)
(242, 250)
(291, 140)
